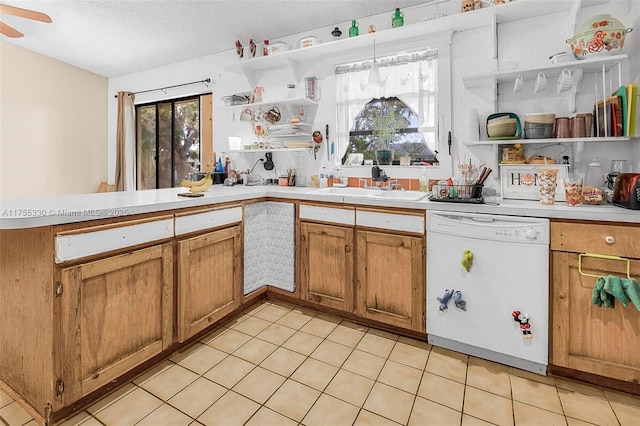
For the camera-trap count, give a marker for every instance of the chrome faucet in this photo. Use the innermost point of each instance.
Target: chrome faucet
(393, 184)
(247, 173)
(365, 182)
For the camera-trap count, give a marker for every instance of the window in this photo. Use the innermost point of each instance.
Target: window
(167, 142)
(389, 124)
(415, 87)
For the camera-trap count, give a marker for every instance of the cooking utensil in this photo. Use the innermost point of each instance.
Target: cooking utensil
(273, 115)
(327, 133)
(600, 35)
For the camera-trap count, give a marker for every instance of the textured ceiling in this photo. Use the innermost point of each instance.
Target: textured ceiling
(116, 37)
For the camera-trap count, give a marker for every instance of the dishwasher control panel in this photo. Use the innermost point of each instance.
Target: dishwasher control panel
(492, 227)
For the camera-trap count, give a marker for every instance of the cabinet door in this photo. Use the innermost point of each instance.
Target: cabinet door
(586, 337)
(326, 265)
(209, 279)
(390, 279)
(116, 313)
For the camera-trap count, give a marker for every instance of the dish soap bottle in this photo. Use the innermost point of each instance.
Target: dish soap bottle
(353, 31)
(220, 168)
(398, 19)
(323, 177)
(424, 180)
(592, 189)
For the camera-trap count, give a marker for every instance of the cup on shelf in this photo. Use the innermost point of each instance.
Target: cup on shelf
(578, 127)
(565, 81)
(562, 127)
(588, 118)
(519, 84)
(541, 83)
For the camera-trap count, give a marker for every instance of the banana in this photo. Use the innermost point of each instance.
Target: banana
(189, 183)
(202, 188)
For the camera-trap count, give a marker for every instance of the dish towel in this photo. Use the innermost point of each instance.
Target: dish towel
(609, 288)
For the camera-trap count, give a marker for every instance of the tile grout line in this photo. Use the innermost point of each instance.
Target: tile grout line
(265, 304)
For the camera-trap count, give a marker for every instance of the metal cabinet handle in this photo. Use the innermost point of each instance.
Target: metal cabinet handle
(347, 248)
(303, 238)
(609, 239)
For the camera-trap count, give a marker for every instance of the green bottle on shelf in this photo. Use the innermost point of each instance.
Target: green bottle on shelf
(398, 19)
(353, 31)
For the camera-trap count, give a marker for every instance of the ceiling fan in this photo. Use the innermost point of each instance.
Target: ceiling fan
(8, 30)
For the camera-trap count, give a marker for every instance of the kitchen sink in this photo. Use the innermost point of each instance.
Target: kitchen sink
(374, 193)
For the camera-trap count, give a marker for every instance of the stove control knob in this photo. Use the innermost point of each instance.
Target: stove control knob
(530, 234)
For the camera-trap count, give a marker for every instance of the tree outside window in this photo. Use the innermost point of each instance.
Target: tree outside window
(168, 142)
(389, 124)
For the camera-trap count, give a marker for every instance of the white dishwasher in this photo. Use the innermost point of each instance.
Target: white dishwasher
(498, 308)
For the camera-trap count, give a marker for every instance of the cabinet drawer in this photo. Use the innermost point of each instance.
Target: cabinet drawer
(82, 244)
(392, 221)
(211, 219)
(328, 214)
(616, 240)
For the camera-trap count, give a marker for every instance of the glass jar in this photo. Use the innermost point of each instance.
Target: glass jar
(592, 188)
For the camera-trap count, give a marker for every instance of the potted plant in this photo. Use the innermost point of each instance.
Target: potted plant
(386, 124)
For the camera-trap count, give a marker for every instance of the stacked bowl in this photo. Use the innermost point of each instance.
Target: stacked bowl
(503, 125)
(538, 125)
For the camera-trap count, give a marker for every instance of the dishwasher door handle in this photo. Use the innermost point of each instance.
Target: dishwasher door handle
(482, 219)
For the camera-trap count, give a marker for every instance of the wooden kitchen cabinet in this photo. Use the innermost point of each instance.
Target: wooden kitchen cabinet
(371, 264)
(390, 279)
(587, 338)
(326, 265)
(209, 279)
(115, 313)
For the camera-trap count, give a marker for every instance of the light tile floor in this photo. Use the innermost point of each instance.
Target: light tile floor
(277, 364)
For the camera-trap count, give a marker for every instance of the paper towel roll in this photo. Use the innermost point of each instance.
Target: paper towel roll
(470, 125)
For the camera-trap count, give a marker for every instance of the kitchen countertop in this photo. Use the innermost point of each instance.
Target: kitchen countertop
(44, 211)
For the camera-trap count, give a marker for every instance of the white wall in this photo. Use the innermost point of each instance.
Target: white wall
(274, 81)
(524, 42)
(53, 126)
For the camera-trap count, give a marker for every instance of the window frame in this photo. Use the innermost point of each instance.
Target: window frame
(443, 121)
(173, 102)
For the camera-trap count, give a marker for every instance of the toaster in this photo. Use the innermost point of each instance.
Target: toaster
(626, 192)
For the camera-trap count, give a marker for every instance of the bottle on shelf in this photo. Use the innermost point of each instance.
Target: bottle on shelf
(397, 20)
(353, 31)
(565, 160)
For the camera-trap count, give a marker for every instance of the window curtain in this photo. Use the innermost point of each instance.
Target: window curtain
(126, 143)
(411, 77)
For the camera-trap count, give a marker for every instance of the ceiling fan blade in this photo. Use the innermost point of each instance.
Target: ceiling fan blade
(25, 13)
(9, 31)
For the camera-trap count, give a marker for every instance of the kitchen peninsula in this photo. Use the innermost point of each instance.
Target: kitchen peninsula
(82, 268)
